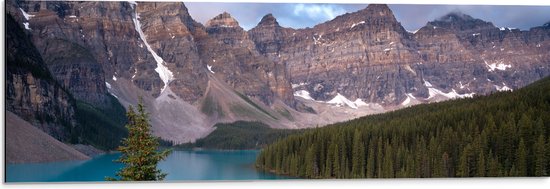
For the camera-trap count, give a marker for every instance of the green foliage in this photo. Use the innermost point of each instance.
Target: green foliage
(139, 149)
(100, 127)
(245, 98)
(502, 134)
(240, 135)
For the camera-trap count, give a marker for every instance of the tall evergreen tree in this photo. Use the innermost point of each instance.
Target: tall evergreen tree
(521, 159)
(358, 156)
(481, 167)
(139, 151)
(540, 162)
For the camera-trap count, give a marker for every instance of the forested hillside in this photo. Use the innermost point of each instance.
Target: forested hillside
(240, 135)
(503, 134)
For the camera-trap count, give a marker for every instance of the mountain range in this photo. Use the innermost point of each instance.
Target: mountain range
(191, 76)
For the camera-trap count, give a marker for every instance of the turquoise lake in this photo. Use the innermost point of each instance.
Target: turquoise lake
(180, 166)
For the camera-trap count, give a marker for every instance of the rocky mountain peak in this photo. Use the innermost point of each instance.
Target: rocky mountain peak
(375, 16)
(378, 9)
(456, 16)
(223, 20)
(268, 20)
(457, 20)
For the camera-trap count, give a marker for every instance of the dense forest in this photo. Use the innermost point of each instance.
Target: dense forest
(502, 134)
(240, 135)
(102, 128)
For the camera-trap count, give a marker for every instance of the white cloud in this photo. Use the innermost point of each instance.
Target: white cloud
(316, 11)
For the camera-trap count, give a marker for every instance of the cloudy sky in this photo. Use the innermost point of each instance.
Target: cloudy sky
(412, 17)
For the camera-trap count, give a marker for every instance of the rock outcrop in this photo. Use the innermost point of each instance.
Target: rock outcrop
(191, 76)
(368, 56)
(230, 54)
(31, 91)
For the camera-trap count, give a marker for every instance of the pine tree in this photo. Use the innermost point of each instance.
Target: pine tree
(540, 162)
(336, 164)
(521, 160)
(481, 167)
(358, 156)
(139, 150)
(371, 159)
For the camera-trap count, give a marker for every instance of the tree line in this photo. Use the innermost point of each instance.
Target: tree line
(240, 135)
(503, 134)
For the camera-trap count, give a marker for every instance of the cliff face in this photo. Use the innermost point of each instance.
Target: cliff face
(31, 91)
(359, 55)
(84, 44)
(368, 56)
(231, 55)
(191, 76)
(473, 56)
(170, 32)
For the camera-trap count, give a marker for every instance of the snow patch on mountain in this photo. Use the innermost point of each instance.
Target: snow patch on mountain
(503, 88)
(298, 85)
(26, 24)
(341, 100)
(427, 84)
(209, 68)
(26, 15)
(409, 99)
(451, 95)
(406, 101)
(164, 73)
(356, 24)
(497, 66)
(303, 94)
(359, 102)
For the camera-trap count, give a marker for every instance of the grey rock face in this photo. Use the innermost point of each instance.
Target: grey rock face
(31, 91)
(234, 57)
(367, 54)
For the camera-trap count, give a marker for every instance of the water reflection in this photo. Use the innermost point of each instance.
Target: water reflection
(180, 166)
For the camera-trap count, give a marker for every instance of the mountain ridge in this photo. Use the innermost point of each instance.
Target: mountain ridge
(365, 57)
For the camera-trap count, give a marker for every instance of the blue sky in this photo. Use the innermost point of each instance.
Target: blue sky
(412, 17)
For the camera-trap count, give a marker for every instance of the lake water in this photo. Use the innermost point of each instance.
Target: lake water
(180, 166)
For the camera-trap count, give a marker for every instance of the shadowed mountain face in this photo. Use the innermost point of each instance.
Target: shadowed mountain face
(192, 76)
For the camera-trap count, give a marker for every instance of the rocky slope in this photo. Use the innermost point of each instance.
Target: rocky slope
(26, 143)
(155, 51)
(191, 76)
